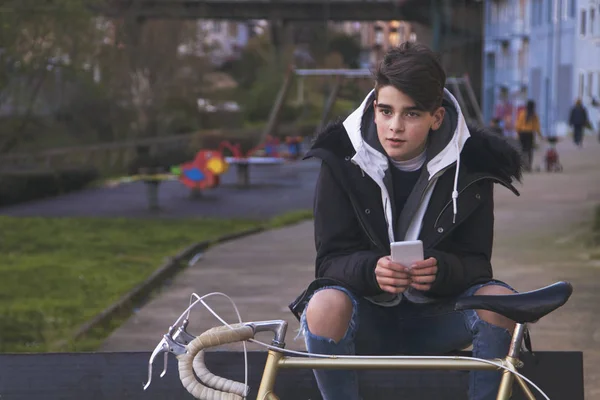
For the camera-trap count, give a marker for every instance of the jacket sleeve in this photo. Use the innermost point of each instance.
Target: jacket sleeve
(343, 250)
(466, 258)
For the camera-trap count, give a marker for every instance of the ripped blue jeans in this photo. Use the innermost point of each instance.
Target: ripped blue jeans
(410, 329)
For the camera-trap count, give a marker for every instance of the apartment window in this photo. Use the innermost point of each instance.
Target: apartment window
(581, 84)
(232, 28)
(523, 54)
(590, 84)
(598, 80)
(537, 14)
(593, 21)
(572, 8)
(494, 11)
(583, 21)
(550, 11)
(522, 8)
(217, 26)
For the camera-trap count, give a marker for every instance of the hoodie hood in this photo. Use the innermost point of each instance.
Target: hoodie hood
(443, 148)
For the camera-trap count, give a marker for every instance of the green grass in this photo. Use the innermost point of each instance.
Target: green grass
(596, 226)
(58, 273)
(595, 239)
(290, 218)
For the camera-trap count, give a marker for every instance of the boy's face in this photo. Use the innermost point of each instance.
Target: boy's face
(402, 128)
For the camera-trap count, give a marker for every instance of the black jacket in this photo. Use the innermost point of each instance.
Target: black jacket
(351, 232)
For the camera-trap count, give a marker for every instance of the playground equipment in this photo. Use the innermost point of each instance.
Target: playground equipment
(204, 171)
(242, 160)
(340, 75)
(461, 86)
(199, 174)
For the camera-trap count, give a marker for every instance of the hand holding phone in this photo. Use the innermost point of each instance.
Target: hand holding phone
(410, 254)
(391, 277)
(423, 274)
(407, 253)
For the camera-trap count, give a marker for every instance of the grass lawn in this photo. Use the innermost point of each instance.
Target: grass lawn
(57, 273)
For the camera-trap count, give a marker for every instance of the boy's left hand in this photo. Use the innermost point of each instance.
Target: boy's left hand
(423, 273)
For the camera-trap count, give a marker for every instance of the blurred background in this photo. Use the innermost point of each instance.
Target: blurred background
(131, 130)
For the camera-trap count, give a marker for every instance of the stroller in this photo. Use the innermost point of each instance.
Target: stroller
(551, 158)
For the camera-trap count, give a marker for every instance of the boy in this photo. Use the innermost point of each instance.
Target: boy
(404, 166)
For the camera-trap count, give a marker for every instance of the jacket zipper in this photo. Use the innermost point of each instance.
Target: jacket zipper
(463, 189)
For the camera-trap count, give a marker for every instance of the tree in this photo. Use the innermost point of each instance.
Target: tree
(348, 47)
(38, 43)
(148, 63)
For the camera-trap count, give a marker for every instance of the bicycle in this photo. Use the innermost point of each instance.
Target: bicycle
(523, 308)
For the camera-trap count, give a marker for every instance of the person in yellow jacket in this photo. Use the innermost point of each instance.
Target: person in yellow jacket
(527, 126)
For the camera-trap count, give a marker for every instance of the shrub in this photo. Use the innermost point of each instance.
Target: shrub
(21, 186)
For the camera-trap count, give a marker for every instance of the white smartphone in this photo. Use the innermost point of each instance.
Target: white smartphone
(407, 252)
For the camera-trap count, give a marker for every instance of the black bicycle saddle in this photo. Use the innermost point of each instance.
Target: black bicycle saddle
(521, 307)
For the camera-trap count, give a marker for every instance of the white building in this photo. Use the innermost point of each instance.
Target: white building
(222, 40)
(586, 79)
(544, 50)
(376, 37)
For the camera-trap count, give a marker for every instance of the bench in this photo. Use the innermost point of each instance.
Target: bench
(95, 376)
(243, 167)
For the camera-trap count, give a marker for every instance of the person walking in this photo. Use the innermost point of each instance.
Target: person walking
(528, 125)
(578, 119)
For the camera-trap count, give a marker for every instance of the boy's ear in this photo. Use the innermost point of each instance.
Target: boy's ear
(438, 118)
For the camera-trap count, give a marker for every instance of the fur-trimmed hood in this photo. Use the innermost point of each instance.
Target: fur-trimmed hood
(481, 150)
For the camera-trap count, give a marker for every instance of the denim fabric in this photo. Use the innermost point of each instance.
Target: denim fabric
(409, 329)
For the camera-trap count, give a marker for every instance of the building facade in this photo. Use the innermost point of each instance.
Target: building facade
(377, 37)
(544, 50)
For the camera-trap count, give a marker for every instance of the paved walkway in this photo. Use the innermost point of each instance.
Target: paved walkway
(540, 239)
(274, 190)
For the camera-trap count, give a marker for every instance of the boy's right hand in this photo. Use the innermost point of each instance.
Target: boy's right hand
(391, 277)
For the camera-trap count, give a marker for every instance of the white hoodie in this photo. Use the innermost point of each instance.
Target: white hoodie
(374, 163)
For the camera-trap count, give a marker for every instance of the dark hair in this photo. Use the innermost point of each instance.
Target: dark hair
(416, 71)
(530, 109)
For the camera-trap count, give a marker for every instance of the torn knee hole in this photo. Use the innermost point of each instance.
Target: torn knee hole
(328, 314)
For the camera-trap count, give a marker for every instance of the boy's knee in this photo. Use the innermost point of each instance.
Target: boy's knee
(328, 314)
(490, 316)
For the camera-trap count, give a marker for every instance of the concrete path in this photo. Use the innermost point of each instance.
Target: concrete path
(540, 239)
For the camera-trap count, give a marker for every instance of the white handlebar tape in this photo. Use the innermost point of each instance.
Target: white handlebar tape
(193, 361)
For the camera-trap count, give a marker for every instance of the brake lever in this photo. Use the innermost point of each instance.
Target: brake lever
(182, 337)
(166, 345)
(161, 347)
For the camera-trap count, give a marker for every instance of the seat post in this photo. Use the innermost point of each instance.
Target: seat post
(517, 340)
(505, 389)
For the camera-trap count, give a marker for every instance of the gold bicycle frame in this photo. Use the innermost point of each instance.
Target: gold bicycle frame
(276, 361)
